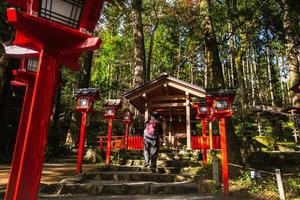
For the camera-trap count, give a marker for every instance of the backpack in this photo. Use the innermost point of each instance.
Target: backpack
(150, 129)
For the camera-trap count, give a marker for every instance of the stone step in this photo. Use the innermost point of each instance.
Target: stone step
(135, 176)
(178, 163)
(96, 187)
(140, 168)
(162, 157)
(161, 163)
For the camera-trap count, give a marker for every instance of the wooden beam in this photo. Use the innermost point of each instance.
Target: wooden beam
(169, 98)
(160, 105)
(190, 91)
(145, 91)
(166, 90)
(146, 112)
(188, 121)
(145, 96)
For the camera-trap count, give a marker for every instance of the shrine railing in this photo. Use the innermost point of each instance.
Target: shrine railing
(137, 142)
(119, 142)
(197, 142)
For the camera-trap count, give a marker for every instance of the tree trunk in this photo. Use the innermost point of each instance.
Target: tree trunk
(256, 75)
(252, 78)
(85, 72)
(271, 88)
(139, 44)
(291, 50)
(240, 77)
(148, 77)
(83, 82)
(231, 6)
(214, 64)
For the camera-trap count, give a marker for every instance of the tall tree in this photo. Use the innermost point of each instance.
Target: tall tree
(292, 46)
(217, 79)
(83, 81)
(139, 44)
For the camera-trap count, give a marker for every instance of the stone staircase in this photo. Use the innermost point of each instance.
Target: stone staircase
(179, 172)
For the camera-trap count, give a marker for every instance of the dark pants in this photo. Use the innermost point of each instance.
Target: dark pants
(151, 147)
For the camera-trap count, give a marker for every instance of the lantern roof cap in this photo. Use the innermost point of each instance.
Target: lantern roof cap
(90, 92)
(20, 52)
(113, 102)
(218, 92)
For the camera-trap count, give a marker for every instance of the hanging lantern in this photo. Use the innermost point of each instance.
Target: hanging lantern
(126, 117)
(221, 101)
(203, 108)
(110, 112)
(65, 12)
(221, 104)
(86, 98)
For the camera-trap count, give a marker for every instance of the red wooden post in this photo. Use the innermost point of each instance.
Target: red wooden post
(100, 142)
(108, 146)
(81, 143)
(126, 135)
(224, 155)
(30, 160)
(211, 142)
(204, 141)
(20, 140)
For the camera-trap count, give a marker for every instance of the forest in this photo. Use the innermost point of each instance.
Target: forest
(250, 45)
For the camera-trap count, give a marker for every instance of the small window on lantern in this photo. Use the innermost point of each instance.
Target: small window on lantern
(65, 12)
(203, 109)
(32, 64)
(109, 112)
(221, 104)
(126, 118)
(83, 103)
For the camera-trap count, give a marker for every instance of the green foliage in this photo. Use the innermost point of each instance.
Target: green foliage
(267, 141)
(266, 187)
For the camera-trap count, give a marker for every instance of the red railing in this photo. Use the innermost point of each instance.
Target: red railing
(119, 142)
(197, 143)
(137, 142)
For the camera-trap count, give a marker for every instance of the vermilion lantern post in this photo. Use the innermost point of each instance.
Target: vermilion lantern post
(203, 114)
(221, 100)
(126, 121)
(85, 101)
(110, 114)
(57, 31)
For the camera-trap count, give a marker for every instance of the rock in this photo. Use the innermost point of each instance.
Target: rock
(72, 180)
(88, 188)
(91, 155)
(207, 186)
(69, 189)
(49, 188)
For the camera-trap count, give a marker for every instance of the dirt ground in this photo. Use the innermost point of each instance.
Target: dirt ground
(52, 172)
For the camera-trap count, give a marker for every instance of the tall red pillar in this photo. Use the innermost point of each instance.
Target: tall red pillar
(204, 141)
(29, 156)
(126, 135)
(108, 146)
(20, 140)
(224, 158)
(81, 143)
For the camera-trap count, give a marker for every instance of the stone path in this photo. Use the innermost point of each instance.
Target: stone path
(52, 173)
(135, 197)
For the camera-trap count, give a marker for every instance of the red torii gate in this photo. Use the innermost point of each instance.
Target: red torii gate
(59, 36)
